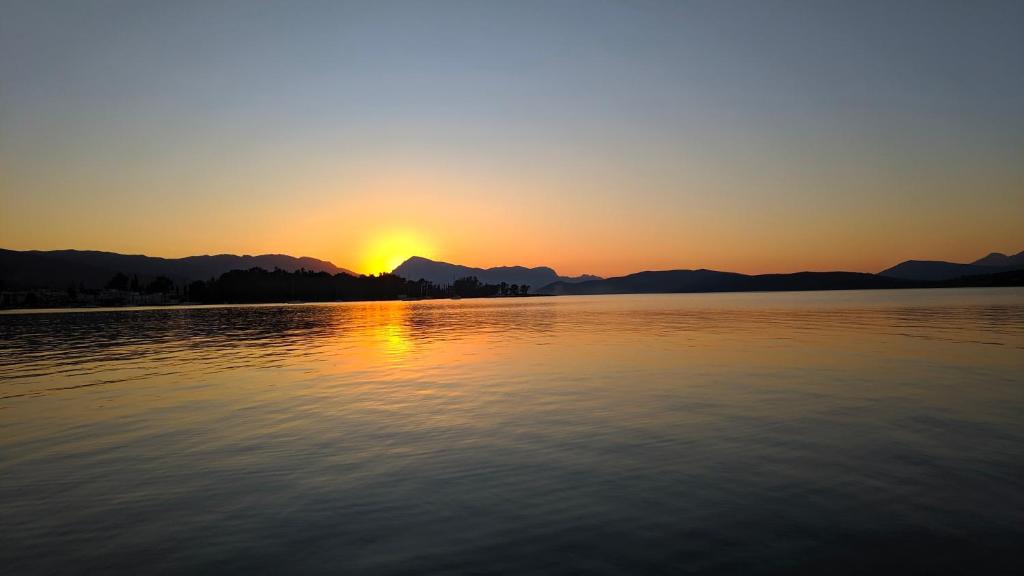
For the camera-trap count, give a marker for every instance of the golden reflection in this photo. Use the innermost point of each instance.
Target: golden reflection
(387, 323)
(395, 340)
(389, 355)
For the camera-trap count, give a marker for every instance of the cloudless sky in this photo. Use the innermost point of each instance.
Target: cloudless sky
(594, 137)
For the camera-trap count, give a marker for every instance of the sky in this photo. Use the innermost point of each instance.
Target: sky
(594, 137)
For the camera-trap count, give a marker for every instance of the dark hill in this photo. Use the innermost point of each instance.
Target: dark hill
(418, 267)
(934, 270)
(669, 281)
(1000, 259)
(59, 268)
(1007, 278)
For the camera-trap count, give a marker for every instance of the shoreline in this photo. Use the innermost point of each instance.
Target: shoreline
(191, 305)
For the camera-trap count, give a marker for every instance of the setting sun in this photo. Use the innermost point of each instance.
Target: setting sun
(447, 287)
(387, 250)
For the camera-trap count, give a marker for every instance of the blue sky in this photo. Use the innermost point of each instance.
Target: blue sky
(757, 136)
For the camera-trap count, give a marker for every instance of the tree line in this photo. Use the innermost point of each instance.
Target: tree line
(158, 285)
(259, 285)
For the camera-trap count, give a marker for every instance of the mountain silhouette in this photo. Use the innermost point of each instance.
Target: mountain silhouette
(417, 268)
(936, 270)
(1000, 259)
(670, 281)
(61, 268)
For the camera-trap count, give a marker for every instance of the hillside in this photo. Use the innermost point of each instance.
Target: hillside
(60, 268)
(936, 270)
(418, 267)
(671, 281)
(1001, 260)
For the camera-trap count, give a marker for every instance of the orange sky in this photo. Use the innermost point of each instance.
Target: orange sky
(481, 222)
(652, 137)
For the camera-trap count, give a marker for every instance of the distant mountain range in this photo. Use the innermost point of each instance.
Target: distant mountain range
(417, 267)
(715, 281)
(993, 270)
(672, 281)
(1000, 259)
(61, 268)
(935, 270)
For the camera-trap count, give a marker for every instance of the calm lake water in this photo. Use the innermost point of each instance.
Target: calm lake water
(704, 433)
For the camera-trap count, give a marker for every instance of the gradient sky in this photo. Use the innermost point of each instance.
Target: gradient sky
(597, 137)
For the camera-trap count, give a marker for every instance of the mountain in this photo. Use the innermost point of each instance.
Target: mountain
(60, 268)
(25, 270)
(934, 270)
(669, 281)
(1000, 259)
(418, 267)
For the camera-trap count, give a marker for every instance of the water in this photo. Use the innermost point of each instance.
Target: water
(718, 433)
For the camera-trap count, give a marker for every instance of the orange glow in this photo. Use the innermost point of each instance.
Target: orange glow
(387, 249)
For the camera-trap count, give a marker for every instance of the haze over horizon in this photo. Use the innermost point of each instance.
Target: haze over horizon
(595, 138)
(441, 260)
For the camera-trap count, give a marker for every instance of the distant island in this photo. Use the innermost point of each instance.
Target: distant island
(939, 270)
(677, 281)
(993, 270)
(90, 278)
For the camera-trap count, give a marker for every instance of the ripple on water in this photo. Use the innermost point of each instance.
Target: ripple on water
(702, 433)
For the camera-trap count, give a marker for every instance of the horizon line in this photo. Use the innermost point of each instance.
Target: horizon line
(438, 261)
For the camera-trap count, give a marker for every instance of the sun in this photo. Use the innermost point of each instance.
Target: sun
(387, 250)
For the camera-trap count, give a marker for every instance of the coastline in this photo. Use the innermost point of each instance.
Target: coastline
(191, 305)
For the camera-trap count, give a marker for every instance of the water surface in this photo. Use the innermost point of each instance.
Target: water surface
(718, 433)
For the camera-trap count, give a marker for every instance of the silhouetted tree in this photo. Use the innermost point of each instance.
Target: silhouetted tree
(160, 284)
(197, 291)
(258, 285)
(466, 287)
(118, 282)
